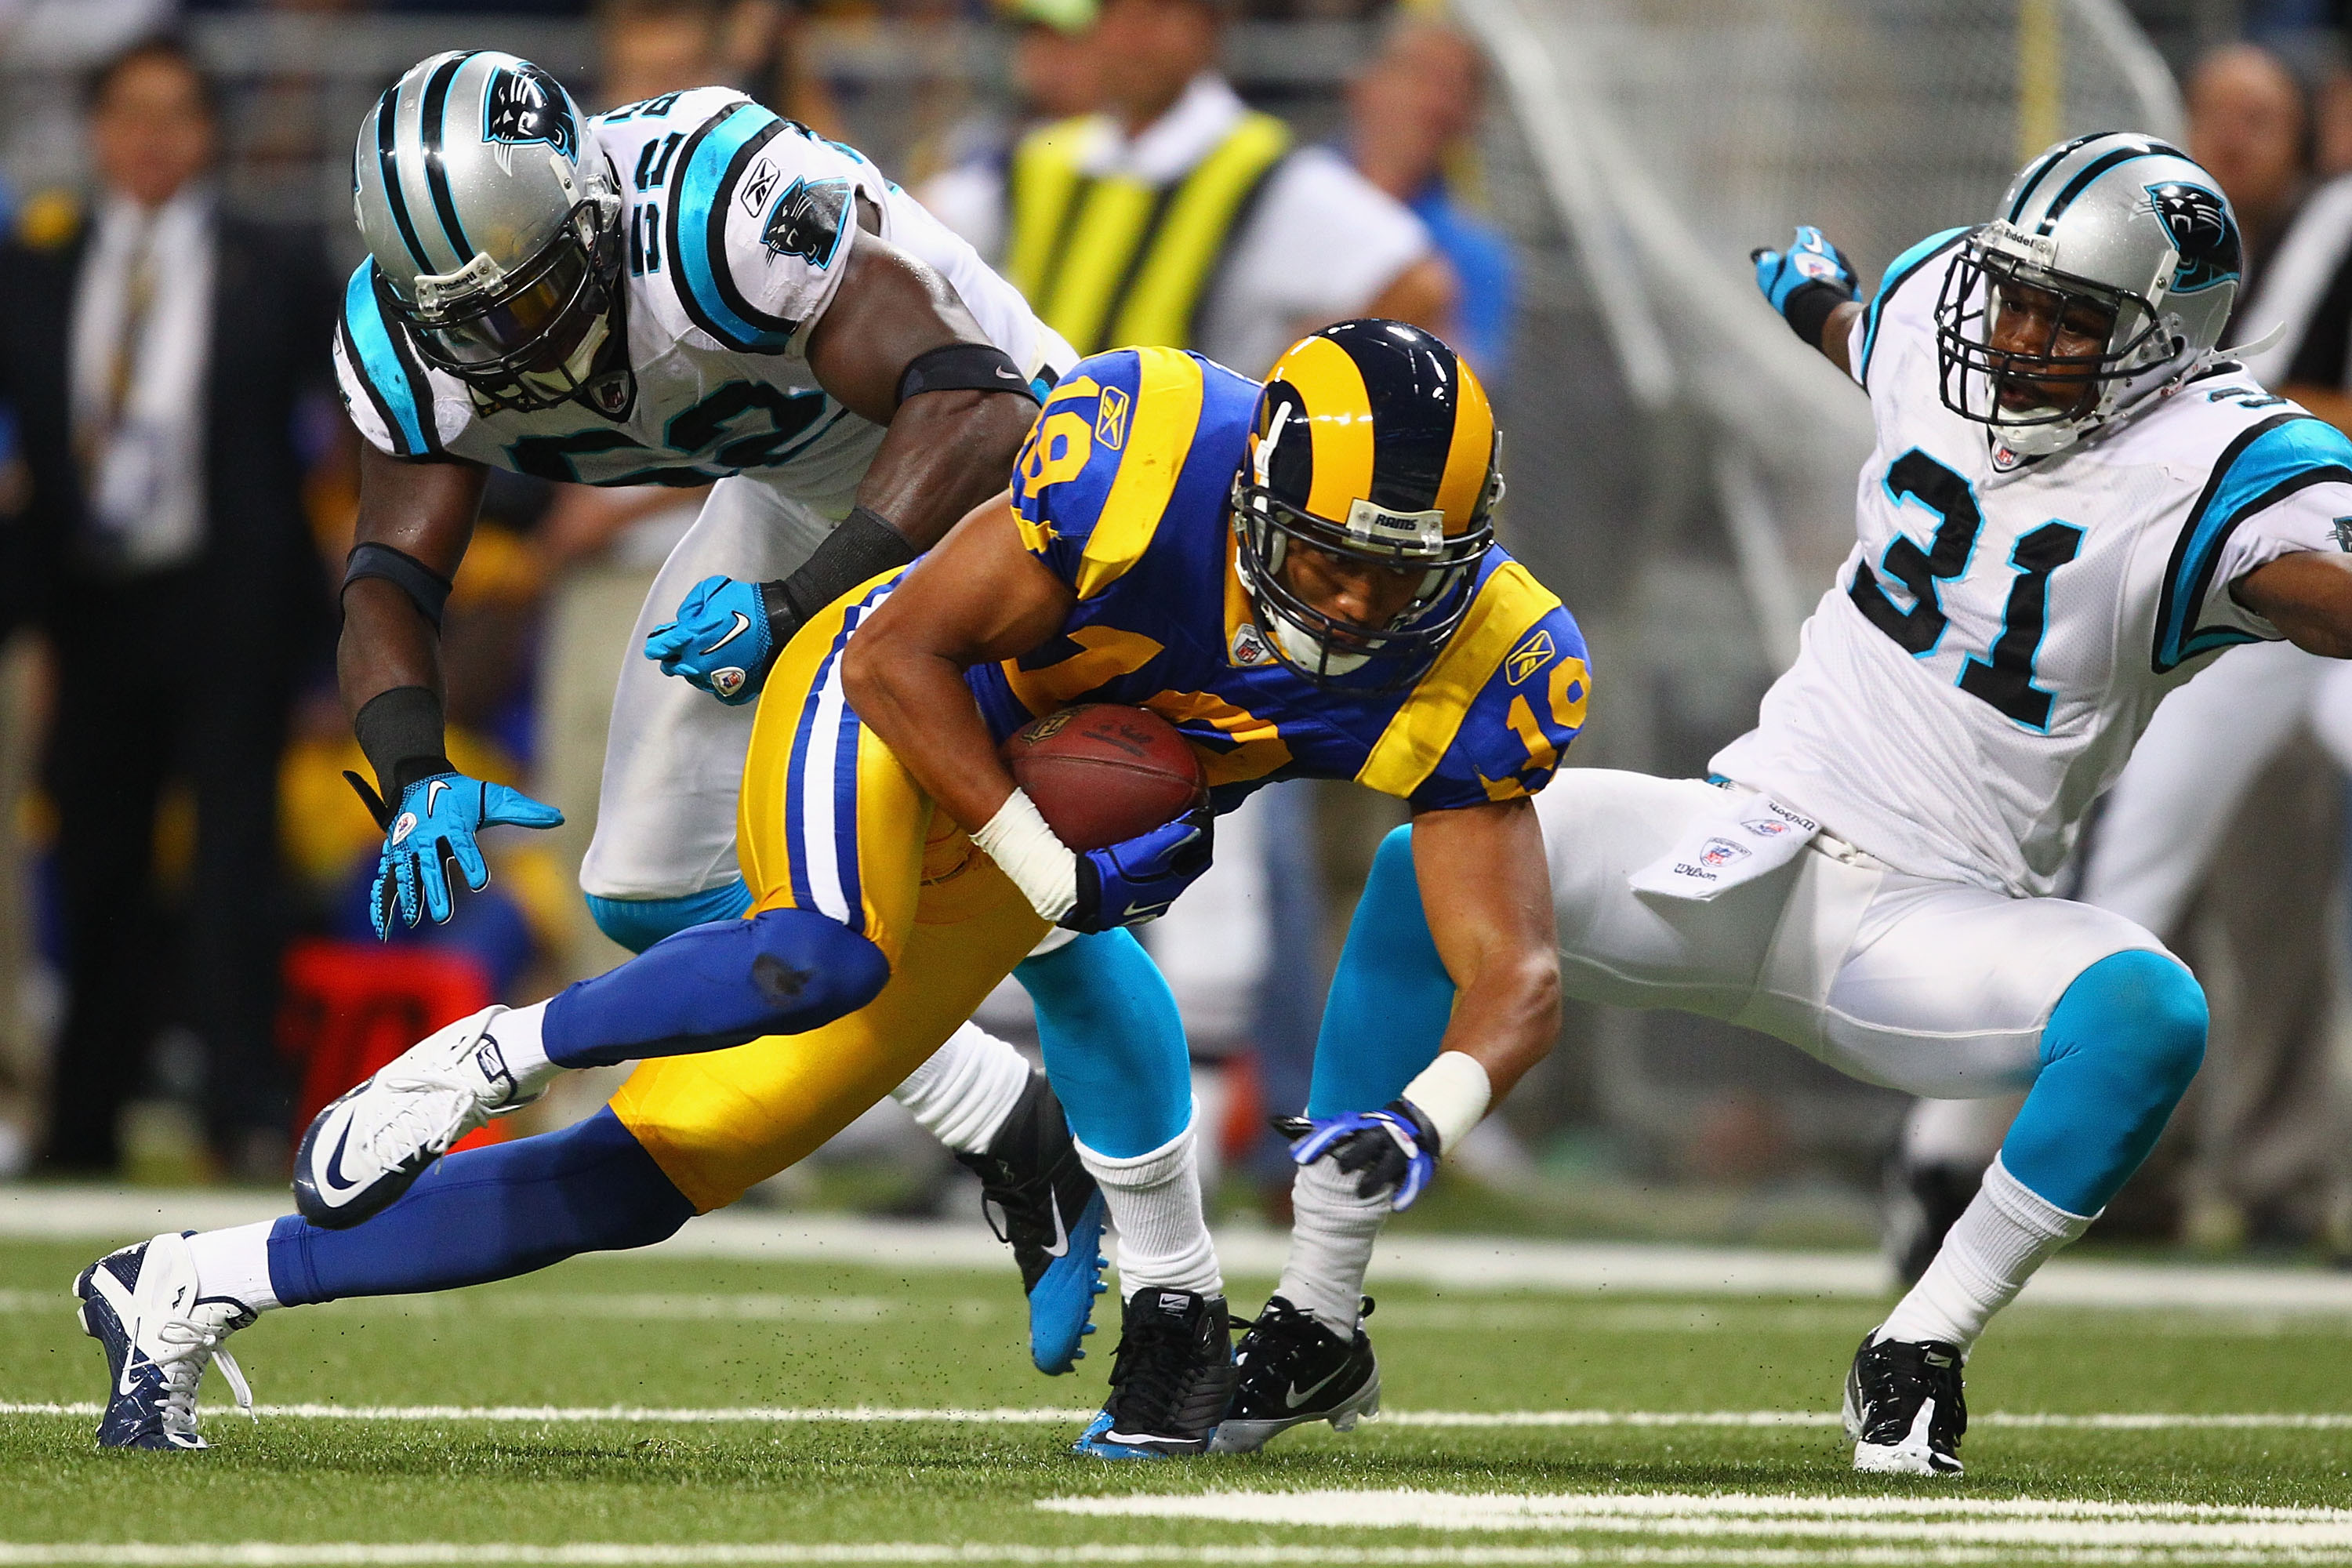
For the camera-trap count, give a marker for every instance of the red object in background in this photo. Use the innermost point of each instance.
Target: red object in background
(348, 1008)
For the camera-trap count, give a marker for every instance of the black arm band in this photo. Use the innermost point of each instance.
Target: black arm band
(963, 367)
(1808, 308)
(862, 546)
(402, 731)
(425, 588)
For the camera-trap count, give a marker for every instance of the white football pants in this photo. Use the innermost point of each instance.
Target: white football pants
(674, 756)
(1937, 988)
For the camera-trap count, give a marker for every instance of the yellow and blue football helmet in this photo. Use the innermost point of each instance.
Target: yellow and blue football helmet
(1373, 442)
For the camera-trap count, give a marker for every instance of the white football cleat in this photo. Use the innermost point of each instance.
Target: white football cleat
(365, 1149)
(141, 1304)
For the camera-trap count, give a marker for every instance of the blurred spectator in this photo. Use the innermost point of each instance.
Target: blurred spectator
(154, 348)
(1413, 121)
(1056, 74)
(2249, 125)
(648, 48)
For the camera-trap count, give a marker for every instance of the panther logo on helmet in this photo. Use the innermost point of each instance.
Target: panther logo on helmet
(523, 106)
(2198, 223)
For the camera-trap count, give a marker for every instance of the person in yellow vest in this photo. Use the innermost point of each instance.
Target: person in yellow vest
(1179, 216)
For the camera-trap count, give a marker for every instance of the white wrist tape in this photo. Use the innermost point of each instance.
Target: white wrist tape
(1041, 866)
(1453, 1092)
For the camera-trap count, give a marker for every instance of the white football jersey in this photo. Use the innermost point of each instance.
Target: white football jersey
(738, 227)
(1998, 639)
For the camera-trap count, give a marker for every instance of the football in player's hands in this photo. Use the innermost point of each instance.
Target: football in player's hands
(1101, 773)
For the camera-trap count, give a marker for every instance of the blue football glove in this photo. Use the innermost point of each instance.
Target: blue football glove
(1393, 1150)
(1806, 281)
(438, 819)
(1137, 878)
(723, 639)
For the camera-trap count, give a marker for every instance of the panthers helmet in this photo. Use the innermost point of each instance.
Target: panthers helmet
(1374, 443)
(2121, 221)
(495, 240)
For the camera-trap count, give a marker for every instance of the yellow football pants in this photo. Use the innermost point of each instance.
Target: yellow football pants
(831, 821)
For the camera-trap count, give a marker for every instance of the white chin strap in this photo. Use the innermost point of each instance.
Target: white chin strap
(1304, 650)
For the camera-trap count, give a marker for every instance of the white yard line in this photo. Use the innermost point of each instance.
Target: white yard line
(614, 1554)
(1015, 1415)
(2025, 1522)
(1463, 1265)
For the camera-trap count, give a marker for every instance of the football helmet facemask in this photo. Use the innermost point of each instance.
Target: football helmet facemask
(2124, 224)
(496, 242)
(1374, 444)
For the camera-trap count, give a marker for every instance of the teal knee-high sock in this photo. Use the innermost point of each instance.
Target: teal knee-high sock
(2117, 1054)
(1114, 1043)
(1391, 997)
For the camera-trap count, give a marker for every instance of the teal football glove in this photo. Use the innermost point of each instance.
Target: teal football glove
(1806, 281)
(724, 638)
(438, 819)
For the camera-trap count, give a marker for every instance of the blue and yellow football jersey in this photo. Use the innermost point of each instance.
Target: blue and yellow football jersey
(1122, 490)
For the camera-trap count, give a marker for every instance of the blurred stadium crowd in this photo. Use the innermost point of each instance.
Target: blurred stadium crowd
(185, 966)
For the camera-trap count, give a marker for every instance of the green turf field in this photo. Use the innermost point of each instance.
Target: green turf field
(745, 1358)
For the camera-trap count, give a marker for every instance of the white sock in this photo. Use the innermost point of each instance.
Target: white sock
(235, 1262)
(1155, 1201)
(517, 1031)
(1331, 1236)
(1995, 1246)
(962, 1095)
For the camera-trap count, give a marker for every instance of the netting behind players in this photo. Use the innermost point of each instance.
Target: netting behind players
(1673, 136)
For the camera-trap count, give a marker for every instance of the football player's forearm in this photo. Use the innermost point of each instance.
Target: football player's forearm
(1507, 1018)
(920, 707)
(1486, 892)
(385, 643)
(1837, 336)
(2307, 596)
(946, 452)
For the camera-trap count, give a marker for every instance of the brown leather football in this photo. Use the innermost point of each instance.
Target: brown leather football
(1100, 773)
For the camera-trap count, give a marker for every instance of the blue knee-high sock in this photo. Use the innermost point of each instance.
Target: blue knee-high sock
(1391, 997)
(2117, 1054)
(638, 923)
(1114, 1043)
(488, 1214)
(712, 986)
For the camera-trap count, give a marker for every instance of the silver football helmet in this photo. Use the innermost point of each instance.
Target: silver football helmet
(495, 240)
(2116, 221)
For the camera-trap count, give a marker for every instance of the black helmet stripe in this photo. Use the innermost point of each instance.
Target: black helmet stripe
(387, 115)
(2092, 171)
(431, 111)
(2050, 160)
(1409, 459)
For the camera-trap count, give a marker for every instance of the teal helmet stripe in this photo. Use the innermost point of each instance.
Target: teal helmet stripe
(2091, 172)
(387, 116)
(432, 110)
(2049, 161)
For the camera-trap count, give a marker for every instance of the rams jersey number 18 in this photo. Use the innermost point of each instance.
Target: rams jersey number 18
(1123, 492)
(1996, 641)
(736, 228)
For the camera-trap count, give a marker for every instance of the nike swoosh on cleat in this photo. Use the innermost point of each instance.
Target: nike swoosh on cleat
(1293, 1396)
(742, 625)
(433, 794)
(1061, 1233)
(335, 1181)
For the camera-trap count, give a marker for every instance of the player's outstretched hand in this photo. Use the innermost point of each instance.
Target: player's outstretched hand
(1811, 263)
(723, 639)
(1137, 878)
(1393, 1150)
(436, 823)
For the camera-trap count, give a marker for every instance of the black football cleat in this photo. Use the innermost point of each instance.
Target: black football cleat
(1903, 1407)
(1039, 1198)
(140, 1304)
(1170, 1381)
(1294, 1371)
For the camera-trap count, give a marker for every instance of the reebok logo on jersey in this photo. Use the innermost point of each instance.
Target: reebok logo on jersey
(1110, 418)
(758, 186)
(1529, 656)
(807, 221)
